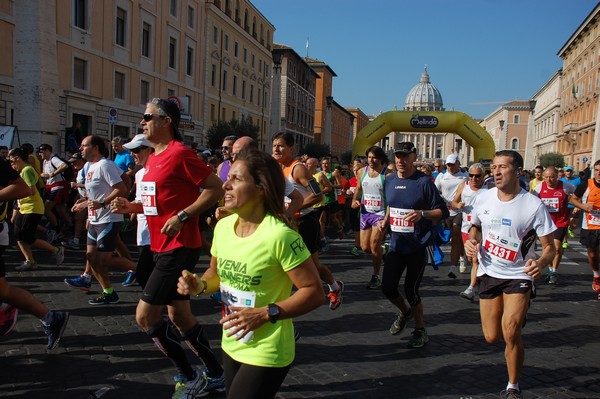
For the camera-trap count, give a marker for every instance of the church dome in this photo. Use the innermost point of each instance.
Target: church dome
(424, 96)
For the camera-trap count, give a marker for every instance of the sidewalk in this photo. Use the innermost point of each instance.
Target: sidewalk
(347, 353)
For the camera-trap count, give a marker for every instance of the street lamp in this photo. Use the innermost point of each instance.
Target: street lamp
(329, 101)
(276, 93)
(532, 105)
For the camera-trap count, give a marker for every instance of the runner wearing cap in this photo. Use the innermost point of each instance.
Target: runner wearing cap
(413, 202)
(448, 183)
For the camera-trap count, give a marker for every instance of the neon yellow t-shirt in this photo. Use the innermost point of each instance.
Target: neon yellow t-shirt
(33, 203)
(322, 202)
(257, 265)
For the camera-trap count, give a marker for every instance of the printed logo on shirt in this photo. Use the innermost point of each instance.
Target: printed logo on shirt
(297, 246)
(400, 188)
(237, 274)
(506, 222)
(495, 221)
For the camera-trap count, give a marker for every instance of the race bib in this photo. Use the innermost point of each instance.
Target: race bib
(238, 298)
(286, 202)
(398, 223)
(149, 198)
(92, 216)
(594, 217)
(505, 250)
(372, 202)
(552, 204)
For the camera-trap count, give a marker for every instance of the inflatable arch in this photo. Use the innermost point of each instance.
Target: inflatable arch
(426, 121)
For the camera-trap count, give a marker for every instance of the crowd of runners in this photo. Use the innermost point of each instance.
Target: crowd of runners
(265, 219)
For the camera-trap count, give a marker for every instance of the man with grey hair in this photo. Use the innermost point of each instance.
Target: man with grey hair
(226, 149)
(464, 200)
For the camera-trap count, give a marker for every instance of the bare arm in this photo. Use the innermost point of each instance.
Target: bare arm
(303, 176)
(358, 191)
(534, 267)
(15, 190)
(456, 202)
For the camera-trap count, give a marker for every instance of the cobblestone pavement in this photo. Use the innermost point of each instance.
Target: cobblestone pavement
(347, 353)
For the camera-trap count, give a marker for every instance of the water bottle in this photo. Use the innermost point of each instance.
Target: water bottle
(99, 393)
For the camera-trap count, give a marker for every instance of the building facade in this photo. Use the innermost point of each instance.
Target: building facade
(578, 137)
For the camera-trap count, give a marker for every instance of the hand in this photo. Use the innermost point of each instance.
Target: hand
(221, 213)
(45, 175)
(460, 205)
(355, 204)
(243, 319)
(94, 204)
(381, 224)
(80, 204)
(533, 269)
(172, 226)
(120, 205)
(471, 249)
(588, 207)
(188, 283)
(413, 216)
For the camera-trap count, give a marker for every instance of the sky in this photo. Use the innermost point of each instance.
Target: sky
(479, 53)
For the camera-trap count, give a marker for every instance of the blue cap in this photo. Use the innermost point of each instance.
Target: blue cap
(569, 168)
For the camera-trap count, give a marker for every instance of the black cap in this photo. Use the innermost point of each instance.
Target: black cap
(171, 109)
(45, 147)
(405, 147)
(76, 156)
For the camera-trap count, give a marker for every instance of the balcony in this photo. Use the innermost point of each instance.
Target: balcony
(569, 127)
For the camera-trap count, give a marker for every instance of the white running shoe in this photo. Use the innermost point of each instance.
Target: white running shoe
(462, 266)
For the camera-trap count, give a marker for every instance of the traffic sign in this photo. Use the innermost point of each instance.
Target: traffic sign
(112, 116)
(585, 159)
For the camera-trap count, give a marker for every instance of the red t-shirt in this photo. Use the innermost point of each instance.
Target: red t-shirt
(176, 174)
(556, 201)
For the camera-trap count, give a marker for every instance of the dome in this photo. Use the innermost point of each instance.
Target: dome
(424, 96)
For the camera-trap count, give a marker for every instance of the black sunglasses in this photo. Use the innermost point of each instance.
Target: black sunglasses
(137, 150)
(474, 175)
(148, 117)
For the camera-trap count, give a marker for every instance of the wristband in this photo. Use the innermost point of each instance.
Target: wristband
(204, 288)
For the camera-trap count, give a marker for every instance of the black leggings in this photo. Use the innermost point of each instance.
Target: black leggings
(395, 264)
(244, 381)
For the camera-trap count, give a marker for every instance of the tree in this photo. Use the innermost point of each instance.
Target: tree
(552, 159)
(314, 150)
(218, 131)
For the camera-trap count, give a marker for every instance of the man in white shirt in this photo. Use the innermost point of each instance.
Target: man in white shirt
(448, 183)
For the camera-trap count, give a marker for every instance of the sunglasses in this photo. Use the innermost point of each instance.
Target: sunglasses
(437, 166)
(137, 150)
(148, 117)
(475, 175)
(225, 148)
(450, 164)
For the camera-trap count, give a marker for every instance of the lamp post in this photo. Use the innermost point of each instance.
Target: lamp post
(530, 155)
(502, 138)
(329, 100)
(275, 122)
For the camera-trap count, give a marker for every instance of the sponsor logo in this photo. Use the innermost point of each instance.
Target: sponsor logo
(523, 285)
(495, 221)
(400, 187)
(506, 222)
(418, 121)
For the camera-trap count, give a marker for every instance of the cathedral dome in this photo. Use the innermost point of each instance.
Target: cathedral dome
(424, 96)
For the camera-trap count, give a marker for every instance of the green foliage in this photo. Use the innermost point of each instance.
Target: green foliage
(315, 150)
(552, 159)
(218, 131)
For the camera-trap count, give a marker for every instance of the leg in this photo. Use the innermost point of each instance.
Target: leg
(491, 318)
(21, 299)
(247, 382)
(376, 250)
(392, 273)
(365, 239)
(515, 308)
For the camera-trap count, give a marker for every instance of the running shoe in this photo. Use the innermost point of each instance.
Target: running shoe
(130, 279)
(60, 256)
(105, 299)
(79, 282)
(191, 388)
(469, 294)
(355, 251)
(511, 393)
(213, 384)
(27, 265)
(8, 318)
(553, 278)
(565, 245)
(51, 235)
(335, 297)
(71, 243)
(596, 284)
(452, 272)
(399, 324)
(571, 233)
(385, 248)
(419, 338)
(462, 267)
(374, 283)
(55, 330)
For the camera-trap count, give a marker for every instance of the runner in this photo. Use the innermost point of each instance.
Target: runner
(413, 203)
(508, 218)
(369, 197)
(555, 195)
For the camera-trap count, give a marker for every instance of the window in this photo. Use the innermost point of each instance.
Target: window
(191, 15)
(189, 104)
(235, 49)
(224, 88)
(516, 119)
(173, 8)
(120, 26)
(251, 93)
(119, 85)
(189, 65)
(243, 89)
(215, 35)
(226, 44)
(170, 92)
(79, 13)
(172, 50)
(253, 58)
(212, 112)
(146, 39)
(144, 91)
(80, 74)
(234, 88)
(514, 144)
(213, 76)
(245, 55)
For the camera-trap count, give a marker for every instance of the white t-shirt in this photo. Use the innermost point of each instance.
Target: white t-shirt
(100, 178)
(447, 184)
(508, 232)
(468, 197)
(143, 234)
(50, 166)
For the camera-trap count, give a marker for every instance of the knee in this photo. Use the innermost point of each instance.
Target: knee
(491, 337)
(390, 291)
(511, 332)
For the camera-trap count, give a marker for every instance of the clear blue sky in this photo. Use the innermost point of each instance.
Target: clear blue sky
(476, 51)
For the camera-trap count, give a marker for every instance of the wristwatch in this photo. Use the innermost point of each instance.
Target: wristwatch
(183, 216)
(102, 203)
(273, 311)
(424, 214)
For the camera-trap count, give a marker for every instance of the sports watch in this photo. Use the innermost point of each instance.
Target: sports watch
(273, 311)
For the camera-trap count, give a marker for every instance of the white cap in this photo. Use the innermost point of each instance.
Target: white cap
(138, 141)
(452, 158)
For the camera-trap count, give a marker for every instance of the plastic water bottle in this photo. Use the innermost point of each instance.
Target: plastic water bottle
(99, 393)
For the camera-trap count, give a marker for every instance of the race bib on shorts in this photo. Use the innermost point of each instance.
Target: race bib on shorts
(149, 198)
(398, 223)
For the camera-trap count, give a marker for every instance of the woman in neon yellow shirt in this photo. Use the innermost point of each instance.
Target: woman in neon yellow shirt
(28, 215)
(256, 258)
